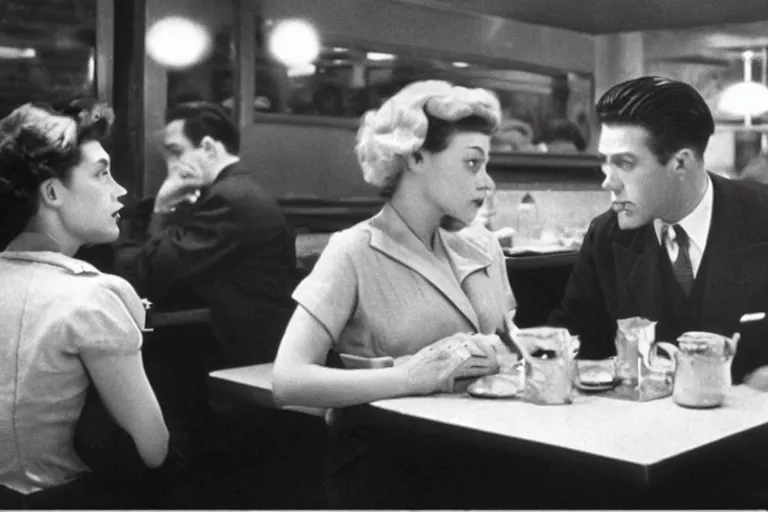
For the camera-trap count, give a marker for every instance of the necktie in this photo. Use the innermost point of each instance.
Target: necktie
(678, 244)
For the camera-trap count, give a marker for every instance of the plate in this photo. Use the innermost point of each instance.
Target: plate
(596, 388)
(500, 385)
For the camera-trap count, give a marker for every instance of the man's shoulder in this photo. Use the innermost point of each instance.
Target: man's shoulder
(238, 181)
(752, 200)
(240, 189)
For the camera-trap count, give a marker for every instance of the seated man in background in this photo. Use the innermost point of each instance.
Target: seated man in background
(679, 245)
(216, 232)
(564, 137)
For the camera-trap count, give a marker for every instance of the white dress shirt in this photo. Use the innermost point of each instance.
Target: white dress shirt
(696, 224)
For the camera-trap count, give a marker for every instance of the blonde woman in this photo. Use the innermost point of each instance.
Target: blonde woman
(63, 324)
(405, 307)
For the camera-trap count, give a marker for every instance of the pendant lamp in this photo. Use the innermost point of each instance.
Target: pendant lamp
(746, 98)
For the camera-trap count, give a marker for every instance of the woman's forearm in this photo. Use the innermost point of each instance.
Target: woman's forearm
(312, 385)
(152, 442)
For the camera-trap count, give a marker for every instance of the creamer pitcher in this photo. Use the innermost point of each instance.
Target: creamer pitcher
(702, 367)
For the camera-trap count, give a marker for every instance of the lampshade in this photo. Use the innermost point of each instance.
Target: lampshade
(745, 99)
(177, 42)
(294, 42)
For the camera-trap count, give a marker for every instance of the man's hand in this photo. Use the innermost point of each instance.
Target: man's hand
(758, 379)
(183, 184)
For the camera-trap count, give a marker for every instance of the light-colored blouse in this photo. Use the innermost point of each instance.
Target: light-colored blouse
(379, 291)
(52, 309)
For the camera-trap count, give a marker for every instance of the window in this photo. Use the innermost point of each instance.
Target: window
(542, 112)
(47, 52)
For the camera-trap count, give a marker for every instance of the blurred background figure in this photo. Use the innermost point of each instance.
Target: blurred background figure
(756, 170)
(216, 232)
(564, 137)
(486, 217)
(513, 136)
(757, 167)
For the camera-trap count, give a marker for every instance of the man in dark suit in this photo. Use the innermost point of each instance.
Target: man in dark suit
(680, 246)
(217, 234)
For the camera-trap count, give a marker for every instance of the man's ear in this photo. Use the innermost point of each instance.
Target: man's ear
(209, 145)
(51, 192)
(682, 160)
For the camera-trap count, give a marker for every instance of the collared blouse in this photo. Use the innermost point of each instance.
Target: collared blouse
(379, 291)
(52, 309)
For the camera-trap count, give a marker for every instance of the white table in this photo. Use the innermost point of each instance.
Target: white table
(634, 437)
(254, 384)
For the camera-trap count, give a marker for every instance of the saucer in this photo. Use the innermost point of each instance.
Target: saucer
(499, 385)
(596, 388)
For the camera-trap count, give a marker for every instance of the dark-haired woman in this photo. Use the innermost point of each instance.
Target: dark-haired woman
(63, 324)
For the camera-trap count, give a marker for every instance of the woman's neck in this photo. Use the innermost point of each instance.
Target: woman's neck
(57, 242)
(418, 216)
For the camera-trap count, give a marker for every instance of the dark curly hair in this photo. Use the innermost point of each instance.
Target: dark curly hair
(39, 141)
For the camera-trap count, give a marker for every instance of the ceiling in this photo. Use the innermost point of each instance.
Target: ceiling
(611, 16)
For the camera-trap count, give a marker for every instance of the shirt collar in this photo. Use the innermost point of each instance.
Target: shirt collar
(38, 248)
(464, 250)
(696, 224)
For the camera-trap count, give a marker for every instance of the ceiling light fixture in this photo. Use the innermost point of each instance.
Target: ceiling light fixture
(746, 98)
(295, 42)
(379, 56)
(10, 52)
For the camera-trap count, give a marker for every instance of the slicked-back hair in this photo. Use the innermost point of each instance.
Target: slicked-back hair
(202, 119)
(674, 114)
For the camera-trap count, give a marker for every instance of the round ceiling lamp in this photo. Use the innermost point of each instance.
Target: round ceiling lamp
(177, 42)
(294, 42)
(746, 98)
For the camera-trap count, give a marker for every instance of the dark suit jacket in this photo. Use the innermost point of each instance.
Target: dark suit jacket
(616, 274)
(235, 251)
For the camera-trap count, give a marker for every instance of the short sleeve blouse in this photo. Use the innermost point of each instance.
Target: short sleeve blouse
(378, 291)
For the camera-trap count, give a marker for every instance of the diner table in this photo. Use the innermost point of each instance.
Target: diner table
(644, 444)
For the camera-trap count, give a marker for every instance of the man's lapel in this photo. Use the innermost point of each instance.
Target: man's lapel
(637, 267)
(391, 236)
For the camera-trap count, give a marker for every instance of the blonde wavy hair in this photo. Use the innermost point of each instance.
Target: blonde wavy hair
(399, 127)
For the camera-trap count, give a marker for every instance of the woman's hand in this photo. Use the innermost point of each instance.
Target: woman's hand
(435, 367)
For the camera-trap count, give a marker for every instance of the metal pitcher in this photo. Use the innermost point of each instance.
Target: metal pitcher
(702, 365)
